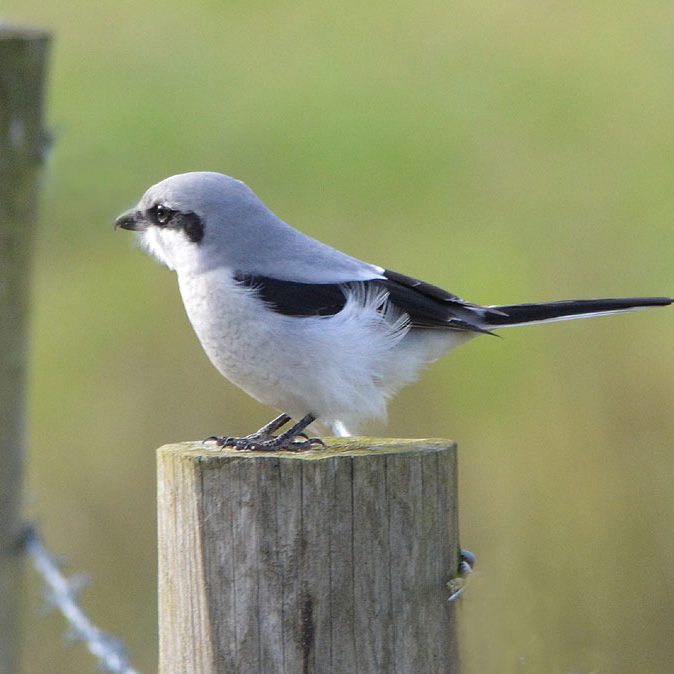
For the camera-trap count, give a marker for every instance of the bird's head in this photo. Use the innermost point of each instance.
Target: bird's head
(189, 221)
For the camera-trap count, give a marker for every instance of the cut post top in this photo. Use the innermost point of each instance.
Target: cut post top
(335, 447)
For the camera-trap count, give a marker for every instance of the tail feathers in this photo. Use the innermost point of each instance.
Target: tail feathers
(521, 314)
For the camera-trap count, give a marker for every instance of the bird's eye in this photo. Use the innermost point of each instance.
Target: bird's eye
(162, 214)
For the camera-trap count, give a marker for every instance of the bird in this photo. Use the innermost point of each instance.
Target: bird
(315, 333)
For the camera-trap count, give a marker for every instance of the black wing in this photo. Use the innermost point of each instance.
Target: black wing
(431, 307)
(427, 306)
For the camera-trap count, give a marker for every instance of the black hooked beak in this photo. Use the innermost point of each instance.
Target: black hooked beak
(131, 220)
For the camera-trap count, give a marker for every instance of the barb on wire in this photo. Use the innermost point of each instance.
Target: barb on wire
(62, 594)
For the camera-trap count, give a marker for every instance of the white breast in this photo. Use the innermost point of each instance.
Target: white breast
(227, 319)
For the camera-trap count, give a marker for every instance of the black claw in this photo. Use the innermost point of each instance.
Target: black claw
(296, 445)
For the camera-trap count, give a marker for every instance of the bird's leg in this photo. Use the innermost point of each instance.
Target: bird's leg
(264, 433)
(263, 440)
(289, 441)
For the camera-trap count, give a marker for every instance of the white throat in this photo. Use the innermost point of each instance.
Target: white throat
(170, 248)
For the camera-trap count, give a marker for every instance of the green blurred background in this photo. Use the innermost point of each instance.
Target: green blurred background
(509, 152)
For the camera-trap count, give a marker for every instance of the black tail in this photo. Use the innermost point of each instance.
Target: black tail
(517, 314)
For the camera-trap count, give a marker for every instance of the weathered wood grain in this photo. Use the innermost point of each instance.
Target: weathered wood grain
(294, 563)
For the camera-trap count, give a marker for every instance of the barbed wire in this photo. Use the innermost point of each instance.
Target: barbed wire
(62, 593)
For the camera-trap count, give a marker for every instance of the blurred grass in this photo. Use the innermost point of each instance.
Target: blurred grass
(507, 151)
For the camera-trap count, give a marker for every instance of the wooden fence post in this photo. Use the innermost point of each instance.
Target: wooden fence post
(328, 562)
(23, 57)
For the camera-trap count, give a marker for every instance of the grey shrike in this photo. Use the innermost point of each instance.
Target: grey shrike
(301, 326)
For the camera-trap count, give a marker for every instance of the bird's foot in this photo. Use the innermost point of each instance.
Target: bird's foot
(457, 585)
(266, 443)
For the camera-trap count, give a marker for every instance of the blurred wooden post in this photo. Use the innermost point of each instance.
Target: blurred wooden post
(328, 561)
(23, 57)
